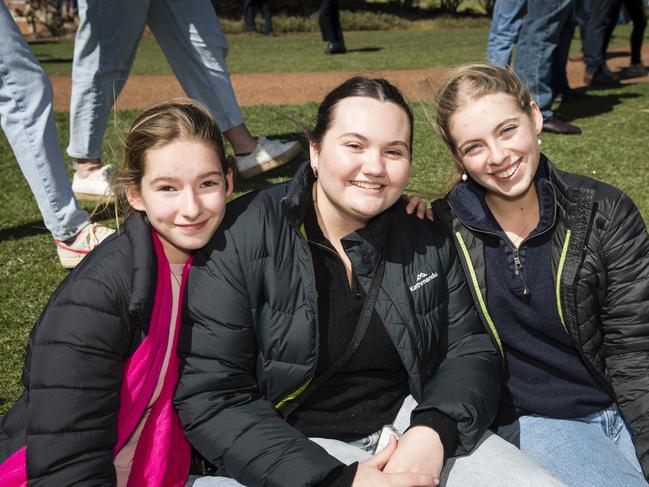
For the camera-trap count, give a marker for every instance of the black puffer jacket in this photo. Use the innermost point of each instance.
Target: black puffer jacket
(252, 337)
(600, 260)
(67, 415)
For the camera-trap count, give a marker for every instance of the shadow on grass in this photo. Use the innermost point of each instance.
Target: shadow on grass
(592, 106)
(54, 60)
(37, 227)
(366, 49)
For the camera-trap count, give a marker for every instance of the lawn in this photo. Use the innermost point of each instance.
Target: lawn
(303, 52)
(613, 148)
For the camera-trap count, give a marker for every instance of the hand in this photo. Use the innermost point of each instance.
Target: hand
(419, 451)
(369, 472)
(415, 203)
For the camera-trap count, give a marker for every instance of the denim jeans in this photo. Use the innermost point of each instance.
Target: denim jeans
(492, 462)
(582, 452)
(190, 35)
(28, 122)
(537, 44)
(596, 13)
(505, 26)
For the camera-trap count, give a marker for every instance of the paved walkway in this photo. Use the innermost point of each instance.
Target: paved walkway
(297, 88)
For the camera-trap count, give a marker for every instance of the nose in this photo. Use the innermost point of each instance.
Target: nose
(497, 153)
(189, 204)
(373, 163)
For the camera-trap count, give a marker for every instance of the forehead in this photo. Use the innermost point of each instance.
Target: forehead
(370, 118)
(181, 158)
(475, 115)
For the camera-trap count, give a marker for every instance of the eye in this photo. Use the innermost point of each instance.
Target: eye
(394, 152)
(166, 188)
(509, 130)
(472, 149)
(210, 183)
(354, 146)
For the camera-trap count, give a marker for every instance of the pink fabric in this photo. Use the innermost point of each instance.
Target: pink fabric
(162, 456)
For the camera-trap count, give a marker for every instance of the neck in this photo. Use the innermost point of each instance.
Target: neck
(517, 217)
(334, 224)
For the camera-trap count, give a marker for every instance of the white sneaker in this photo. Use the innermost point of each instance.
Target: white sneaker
(268, 155)
(70, 254)
(94, 187)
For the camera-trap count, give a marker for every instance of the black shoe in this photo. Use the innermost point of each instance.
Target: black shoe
(570, 95)
(335, 48)
(556, 126)
(603, 78)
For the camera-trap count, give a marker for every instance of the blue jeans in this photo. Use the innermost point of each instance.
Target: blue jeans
(506, 24)
(596, 14)
(536, 48)
(190, 35)
(583, 452)
(492, 461)
(28, 122)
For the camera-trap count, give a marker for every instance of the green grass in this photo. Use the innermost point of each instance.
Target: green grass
(613, 148)
(303, 52)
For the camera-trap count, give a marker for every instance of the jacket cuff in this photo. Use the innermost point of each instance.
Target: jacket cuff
(443, 425)
(342, 476)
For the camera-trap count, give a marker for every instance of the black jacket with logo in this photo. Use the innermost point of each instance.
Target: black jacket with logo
(600, 263)
(251, 338)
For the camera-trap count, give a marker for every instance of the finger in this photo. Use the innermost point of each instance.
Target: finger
(413, 204)
(429, 214)
(421, 210)
(381, 458)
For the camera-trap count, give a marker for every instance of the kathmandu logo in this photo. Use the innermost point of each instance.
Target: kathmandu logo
(422, 279)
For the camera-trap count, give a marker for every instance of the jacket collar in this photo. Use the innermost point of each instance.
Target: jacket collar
(363, 246)
(145, 269)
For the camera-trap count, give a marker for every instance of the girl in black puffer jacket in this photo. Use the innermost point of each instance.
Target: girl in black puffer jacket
(559, 267)
(101, 365)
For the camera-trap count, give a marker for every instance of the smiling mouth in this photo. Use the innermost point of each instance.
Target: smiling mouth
(194, 227)
(366, 185)
(508, 172)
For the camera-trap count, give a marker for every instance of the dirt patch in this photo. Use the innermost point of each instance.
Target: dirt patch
(297, 88)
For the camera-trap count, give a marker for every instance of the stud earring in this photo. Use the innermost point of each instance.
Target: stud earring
(464, 176)
(539, 141)
(315, 171)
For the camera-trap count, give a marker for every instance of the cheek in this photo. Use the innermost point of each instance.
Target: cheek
(215, 204)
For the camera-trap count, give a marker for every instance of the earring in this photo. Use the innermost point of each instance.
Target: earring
(315, 171)
(465, 176)
(539, 141)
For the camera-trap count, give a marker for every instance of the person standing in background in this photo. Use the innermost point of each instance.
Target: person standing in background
(330, 27)
(249, 12)
(27, 120)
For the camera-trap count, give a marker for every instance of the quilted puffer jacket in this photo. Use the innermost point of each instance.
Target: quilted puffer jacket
(251, 338)
(600, 262)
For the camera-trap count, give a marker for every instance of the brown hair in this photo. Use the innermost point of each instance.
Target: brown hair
(471, 82)
(161, 125)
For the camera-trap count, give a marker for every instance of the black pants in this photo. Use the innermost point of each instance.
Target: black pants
(330, 26)
(636, 11)
(249, 15)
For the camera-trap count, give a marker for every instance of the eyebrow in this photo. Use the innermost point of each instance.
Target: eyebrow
(171, 178)
(362, 137)
(496, 128)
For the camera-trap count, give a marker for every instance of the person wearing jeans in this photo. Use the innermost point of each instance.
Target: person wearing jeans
(593, 43)
(190, 35)
(506, 24)
(249, 16)
(535, 53)
(27, 120)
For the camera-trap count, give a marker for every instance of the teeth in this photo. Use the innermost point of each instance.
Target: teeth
(507, 172)
(362, 184)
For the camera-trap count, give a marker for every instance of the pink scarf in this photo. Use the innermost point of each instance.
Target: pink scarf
(162, 455)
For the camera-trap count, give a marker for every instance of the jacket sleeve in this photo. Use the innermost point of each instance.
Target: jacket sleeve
(466, 384)
(225, 417)
(75, 364)
(625, 317)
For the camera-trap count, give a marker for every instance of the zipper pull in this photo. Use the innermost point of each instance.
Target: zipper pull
(517, 262)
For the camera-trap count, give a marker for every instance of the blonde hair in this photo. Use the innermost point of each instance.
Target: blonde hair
(472, 82)
(161, 125)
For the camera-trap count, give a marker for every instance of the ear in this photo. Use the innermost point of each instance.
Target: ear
(134, 198)
(537, 117)
(229, 183)
(314, 155)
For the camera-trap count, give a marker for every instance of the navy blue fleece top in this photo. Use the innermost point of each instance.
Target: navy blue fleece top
(545, 375)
